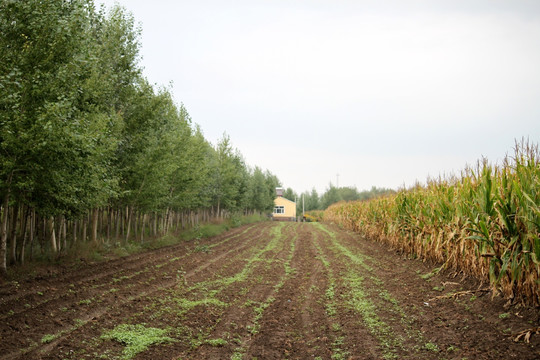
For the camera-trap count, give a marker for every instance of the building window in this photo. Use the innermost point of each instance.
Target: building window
(279, 210)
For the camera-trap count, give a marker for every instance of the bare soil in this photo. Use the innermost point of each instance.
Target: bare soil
(263, 291)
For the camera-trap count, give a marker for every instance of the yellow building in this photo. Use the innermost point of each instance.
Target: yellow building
(284, 209)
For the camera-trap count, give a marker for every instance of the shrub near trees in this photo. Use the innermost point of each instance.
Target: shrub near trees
(89, 149)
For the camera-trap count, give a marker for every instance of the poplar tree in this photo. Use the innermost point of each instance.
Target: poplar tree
(259, 197)
(55, 151)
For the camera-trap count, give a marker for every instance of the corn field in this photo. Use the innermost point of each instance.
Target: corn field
(485, 223)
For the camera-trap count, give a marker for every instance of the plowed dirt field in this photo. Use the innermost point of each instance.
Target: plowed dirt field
(262, 291)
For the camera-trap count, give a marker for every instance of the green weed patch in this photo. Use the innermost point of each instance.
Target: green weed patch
(136, 338)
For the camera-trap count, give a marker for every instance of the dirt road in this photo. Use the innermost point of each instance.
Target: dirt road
(263, 291)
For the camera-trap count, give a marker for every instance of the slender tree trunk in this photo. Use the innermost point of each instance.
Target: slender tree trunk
(136, 225)
(58, 234)
(101, 215)
(122, 220)
(118, 222)
(167, 220)
(183, 220)
(128, 225)
(138, 218)
(143, 225)
(24, 232)
(83, 225)
(164, 225)
(75, 229)
(164, 220)
(50, 224)
(95, 218)
(33, 228)
(13, 235)
(42, 234)
(3, 235)
(110, 217)
(64, 232)
(154, 224)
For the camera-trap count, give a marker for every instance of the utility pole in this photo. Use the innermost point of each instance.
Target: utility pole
(295, 206)
(303, 207)
(337, 180)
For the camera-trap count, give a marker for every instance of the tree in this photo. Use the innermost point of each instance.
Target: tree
(330, 197)
(56, 152)
(260, 195)
(311, 200)
(348, 193)
(290, 194)
(228, 177)
(374, 192)
(272, 182)
(190, 179)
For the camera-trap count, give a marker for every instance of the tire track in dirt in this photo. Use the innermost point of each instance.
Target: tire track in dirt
(49, 318)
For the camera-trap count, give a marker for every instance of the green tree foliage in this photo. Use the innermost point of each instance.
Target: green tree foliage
(310, 201)
(259, 197)
(272, 182)
(56, 151)
(228, 175)
(331, 196)
(290, 194)
(86, 143)
(190, 180)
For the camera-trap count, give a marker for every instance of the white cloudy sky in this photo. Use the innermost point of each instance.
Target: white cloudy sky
(383, 93)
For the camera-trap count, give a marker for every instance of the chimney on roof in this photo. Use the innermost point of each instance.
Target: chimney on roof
(279, 192)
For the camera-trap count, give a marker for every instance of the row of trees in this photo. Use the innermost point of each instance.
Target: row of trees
(89, 149)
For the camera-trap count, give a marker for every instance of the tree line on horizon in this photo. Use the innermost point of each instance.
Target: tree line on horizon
(312, 200)
(89, 149)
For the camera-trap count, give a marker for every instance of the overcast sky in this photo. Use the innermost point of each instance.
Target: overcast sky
(383, 93)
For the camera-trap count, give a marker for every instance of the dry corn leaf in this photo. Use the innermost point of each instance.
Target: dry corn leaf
(455, 295)
(526, 334)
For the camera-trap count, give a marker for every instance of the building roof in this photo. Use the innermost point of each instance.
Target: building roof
(282, 198)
